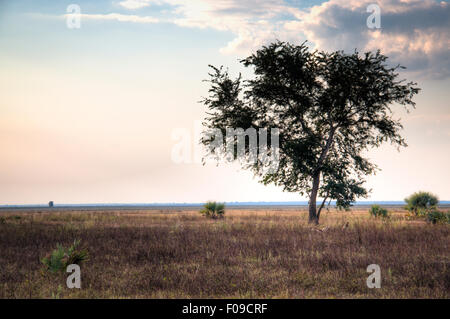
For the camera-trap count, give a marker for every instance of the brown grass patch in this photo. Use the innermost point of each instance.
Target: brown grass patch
(252, 253)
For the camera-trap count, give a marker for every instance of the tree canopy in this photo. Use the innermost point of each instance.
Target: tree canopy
(329, 108)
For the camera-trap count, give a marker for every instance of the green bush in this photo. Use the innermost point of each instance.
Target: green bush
(60, 258)
(421, 203)
(213, 210)
(438, 217)
(378, 211)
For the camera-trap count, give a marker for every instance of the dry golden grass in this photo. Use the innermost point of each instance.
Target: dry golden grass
(253, 253)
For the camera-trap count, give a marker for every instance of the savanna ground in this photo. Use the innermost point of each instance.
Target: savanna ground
(251, 253)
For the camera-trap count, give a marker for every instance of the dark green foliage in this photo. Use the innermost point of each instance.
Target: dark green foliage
(437, 217)
(61, 257)
(378, 211)
(420, 203)
(329, 109)
(213, 210)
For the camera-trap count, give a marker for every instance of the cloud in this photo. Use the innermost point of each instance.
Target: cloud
(413, 32)
(254, 22)
(134, 4)
(119, 17)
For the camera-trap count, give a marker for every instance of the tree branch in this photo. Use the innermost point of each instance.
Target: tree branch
(323, 203)
(326, 148)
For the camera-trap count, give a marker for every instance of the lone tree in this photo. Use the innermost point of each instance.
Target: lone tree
(329, 108)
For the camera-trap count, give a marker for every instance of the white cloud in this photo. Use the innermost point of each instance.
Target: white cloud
(254, 22)
(134, 4)
(119, 17)
(413, 32)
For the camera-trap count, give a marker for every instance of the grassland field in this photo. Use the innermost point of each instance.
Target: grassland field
(251, 253)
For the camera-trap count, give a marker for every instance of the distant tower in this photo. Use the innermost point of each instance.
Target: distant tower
(50, 204)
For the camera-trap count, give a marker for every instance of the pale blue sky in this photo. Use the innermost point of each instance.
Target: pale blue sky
(86, 115)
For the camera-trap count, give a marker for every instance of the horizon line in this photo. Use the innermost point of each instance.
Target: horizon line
(230, 203)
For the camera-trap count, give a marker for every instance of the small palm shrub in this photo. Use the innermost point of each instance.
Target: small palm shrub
(213, 210)
(437, 217)
(60, 258)
(420, 203)
(378, 211)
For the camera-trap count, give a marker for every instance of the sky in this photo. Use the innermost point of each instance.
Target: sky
(90, 114)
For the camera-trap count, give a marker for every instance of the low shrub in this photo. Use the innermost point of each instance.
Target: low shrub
(213, 210)
(421, 203)
(378, 211)
(60, 258)
(438, 217)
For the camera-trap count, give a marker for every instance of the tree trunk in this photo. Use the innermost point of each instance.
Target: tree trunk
(313, 217)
